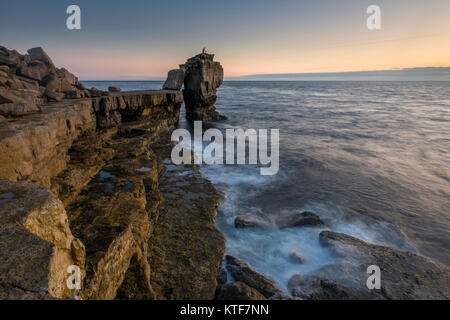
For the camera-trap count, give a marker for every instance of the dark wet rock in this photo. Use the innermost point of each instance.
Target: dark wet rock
(244, 273)
(296, 257)
(238, 291)
(404, 275)
(114, 89)
(175, 79)
(313, 287)
(245, 222)
(300, 219)
(222, 277)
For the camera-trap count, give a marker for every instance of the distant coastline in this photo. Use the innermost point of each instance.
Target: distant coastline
(410, 74)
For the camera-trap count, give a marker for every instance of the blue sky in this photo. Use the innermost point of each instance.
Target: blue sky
(144, 39)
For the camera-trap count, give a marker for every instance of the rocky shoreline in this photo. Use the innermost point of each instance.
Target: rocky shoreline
(86, 180)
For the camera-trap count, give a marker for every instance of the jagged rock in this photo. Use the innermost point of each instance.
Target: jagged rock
(35, 70)
(18, 102)
(244, 273)
(39, 54)
(175, 79)
(296, 258)
(238, 291)
(69, 77)
(36, 244)
(53, 96)
(114, 89)
(404, 275)
(203, 77)
(245, 222)
(300, 219)
(9, 58)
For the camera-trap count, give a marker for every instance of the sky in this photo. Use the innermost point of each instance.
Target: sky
(126, 40)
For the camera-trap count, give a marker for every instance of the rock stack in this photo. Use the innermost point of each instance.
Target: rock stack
(201, 76)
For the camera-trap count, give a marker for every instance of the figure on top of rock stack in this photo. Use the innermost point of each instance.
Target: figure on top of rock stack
(201, 77)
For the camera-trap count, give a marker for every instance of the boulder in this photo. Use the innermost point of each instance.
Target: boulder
(39, 54)
(35, 70)
(300, 219)
(18, 102)
(114, 89)
(244, 273)
(69, 77)
(245, 222)
(9, 58)
(238, 291)
(295, 257)
(175, 79)
(404, 275)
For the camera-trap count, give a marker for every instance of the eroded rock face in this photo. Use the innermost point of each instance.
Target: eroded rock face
(175, 79)
(403, 275)
(36, 243)
(244, 273)
(201, 76)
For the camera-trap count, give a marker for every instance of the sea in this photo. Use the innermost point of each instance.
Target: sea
(372, 159)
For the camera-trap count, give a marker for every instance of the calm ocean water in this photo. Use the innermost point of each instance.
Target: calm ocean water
(371, 158)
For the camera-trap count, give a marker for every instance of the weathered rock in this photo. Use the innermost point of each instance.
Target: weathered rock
(238, 291)
(244, 273)
(203, 77)
(245, 222)
(39, 54)
(175, 79)
(18, 102)
(5, 69)
(403, 275)
(301, 219)
(36, 70)
(53, 96)
(36, 244)
(114, 89)
(9, 58)
(296, 257)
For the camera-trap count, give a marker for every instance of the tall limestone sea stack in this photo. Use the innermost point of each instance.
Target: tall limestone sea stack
(201, 76)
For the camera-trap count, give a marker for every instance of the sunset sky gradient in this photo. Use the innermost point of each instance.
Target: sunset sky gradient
(144, 39)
